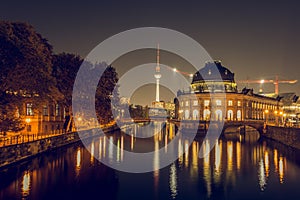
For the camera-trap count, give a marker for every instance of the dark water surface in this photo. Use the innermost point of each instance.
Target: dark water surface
(238, 167)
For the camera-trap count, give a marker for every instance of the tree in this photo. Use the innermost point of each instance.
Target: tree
(25, 69)
(26, 62)
(9, 119)
(105, 93)
(65, 68)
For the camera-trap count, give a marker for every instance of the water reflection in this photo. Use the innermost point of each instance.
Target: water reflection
(26, 184)
(261, 176)
(173, 181)
(281, 170)
(231, 164)
(78, 161)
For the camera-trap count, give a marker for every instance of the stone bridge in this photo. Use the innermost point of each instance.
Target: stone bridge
(256, 124)
(203, 125)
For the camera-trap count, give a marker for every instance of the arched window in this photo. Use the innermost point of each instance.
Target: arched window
(219, 115)
(230, 115)
(195, 114)
(206, 114)
(186, 114)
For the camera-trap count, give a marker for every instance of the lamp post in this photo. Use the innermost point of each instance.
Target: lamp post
(266, 116)
(27, 120)
(281, 118)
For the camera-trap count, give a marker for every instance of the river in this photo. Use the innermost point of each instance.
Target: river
(238, 167)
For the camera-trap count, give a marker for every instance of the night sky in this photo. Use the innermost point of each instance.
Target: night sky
(255, 40)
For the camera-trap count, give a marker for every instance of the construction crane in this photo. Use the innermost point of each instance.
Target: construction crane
(275, 82)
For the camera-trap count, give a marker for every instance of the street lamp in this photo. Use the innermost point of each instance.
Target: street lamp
(27, 120)
(266, 115)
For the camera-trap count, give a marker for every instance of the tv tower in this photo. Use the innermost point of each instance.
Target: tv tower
(157, 75)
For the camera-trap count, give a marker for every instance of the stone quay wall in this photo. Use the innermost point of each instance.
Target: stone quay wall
(285, 135)
(18, 152)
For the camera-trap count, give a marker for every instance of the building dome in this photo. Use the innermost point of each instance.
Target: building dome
(214, 78)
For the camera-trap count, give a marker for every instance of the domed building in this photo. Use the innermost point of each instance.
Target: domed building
(214, 78)
(214, 96)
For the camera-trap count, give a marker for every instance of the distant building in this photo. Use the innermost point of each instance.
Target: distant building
(162, 109)
(205, 99)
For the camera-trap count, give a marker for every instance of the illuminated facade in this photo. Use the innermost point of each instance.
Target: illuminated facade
(48, 119)
(208, 101)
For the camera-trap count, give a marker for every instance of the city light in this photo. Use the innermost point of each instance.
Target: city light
(27, 120)
(262, 81)
(174, 70)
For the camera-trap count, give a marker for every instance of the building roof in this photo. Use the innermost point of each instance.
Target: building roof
(213, 71)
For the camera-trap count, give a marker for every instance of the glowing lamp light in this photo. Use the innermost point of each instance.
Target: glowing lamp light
(79, 118)
(281, 113)
(262, 81)
(27, 120)
(266, 111)
(191, 75)
(174, 70)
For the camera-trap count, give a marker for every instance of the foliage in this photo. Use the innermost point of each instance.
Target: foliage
(65, 68)
(105, 94)
(9, 119)
(25, 71)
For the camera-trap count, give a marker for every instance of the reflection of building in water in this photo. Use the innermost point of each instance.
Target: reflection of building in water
(173, 181)
(26, 184)
(205, 99)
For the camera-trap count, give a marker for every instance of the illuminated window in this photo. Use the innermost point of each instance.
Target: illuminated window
(239, 115)
(195, 103)
(206, 114)
(239, 103)
(45, 110)
(206, 102)
(29, 109)
(230, 103)
(218, 102)
(56, 110)
(187, 103)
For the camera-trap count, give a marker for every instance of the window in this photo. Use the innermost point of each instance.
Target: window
(218, 102)
(239, 103)
(239, 115)
(206, 102)
(186, 114)
(187, 103)
(230, 115)
(230, 103)
(45, 110)
(29, 109)
(56, 110)
(195, 103)
(182, 103)
(206, 114)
